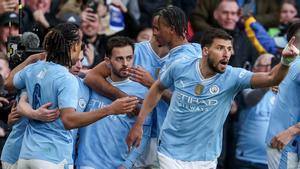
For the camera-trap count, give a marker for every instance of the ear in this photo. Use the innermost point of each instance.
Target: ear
(107, 60)
(205, 51)
(215, 14)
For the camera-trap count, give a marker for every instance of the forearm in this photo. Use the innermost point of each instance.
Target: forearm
(151, 100)
(25, 109)
(9, 81)
(167, 95)
(269, 79)
(295, 129)
(278, 73)
(74, 119)
(135, 153)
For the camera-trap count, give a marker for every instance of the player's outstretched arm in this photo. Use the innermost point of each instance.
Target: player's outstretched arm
(72, 119)
(273, 78)
(31, 59)
(135, 134)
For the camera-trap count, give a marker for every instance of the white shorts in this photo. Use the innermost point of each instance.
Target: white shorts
(42, 164)
(169, 163)
(149, 156)
(85, 167)
(6, 165)
(282, 159)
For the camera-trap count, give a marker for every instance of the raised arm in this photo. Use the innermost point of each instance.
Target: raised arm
(31, 59)
(153, 96)
(273, 78)
(96, 79)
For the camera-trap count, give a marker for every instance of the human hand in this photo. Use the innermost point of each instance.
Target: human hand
(39, 16)
(3, 101)
(8, 6)
(89, 51)
(134, 136)
(275, 89)
(282, 139)
(13, 116)
(140, 75)
(123, 105)
(119, 4)
(290, 52)
(87, 15)
(45, 114)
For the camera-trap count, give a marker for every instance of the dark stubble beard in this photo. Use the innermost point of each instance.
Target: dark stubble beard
(211, 65)
(117, 73)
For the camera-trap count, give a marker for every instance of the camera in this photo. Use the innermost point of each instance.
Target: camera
(20, 47)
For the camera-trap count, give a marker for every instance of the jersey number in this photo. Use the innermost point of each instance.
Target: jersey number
(36, 102)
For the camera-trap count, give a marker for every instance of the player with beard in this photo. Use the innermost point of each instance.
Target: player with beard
(102, 144)
(191, 135)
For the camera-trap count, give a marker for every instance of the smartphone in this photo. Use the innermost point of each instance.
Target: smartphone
(93, 4)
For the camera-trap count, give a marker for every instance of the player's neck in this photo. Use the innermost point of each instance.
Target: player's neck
(116, 78)
(160, 51)
(177, 41)
(205, 71)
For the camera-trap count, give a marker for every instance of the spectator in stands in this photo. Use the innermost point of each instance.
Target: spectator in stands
(6, 30)
(38, 17)
(8, 6)
(226, 16)
(202, 17)
(253, 122)
(95, 43)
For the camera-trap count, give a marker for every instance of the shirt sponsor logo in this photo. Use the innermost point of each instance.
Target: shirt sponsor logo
(194, 104)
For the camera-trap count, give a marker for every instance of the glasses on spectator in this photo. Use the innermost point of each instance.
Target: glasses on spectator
(263, 65)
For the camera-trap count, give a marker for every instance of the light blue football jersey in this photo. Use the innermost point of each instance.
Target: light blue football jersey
(11, 149)
(252, 130)
(83, 99)
(48, 82)
(192, 130)
(286, 110)
(145, 57)
(102, 144)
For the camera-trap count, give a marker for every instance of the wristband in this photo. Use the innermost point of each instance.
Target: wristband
(287, 60)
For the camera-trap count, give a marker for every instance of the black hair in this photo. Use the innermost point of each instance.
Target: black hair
(118, 41)
(58, 43)
(211, 34)
(175, 17)
(295, 26)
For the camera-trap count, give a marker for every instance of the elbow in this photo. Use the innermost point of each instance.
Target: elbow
(68, 124)
(88, 78)
(8, 85)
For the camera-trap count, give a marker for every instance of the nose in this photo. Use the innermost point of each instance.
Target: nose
(125, 63)
(227, 53)
(79, 64)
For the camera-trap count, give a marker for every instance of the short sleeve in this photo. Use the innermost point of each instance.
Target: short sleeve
(67, 92)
